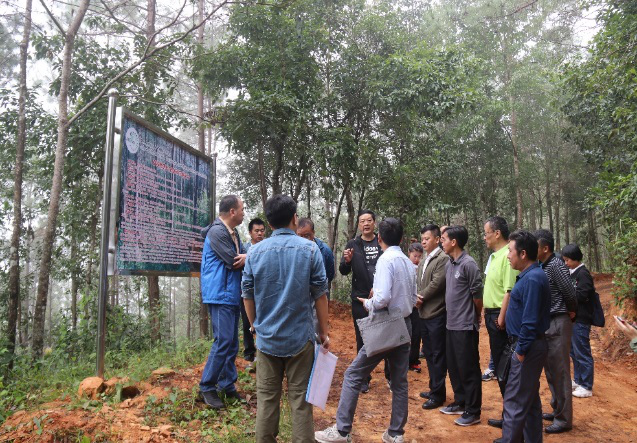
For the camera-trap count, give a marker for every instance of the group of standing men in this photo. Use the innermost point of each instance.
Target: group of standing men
(284, 284)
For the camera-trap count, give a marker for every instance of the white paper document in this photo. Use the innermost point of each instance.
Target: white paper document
(321, 377)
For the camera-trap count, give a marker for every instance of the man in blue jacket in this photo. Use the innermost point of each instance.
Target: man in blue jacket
(527, 317)
(221, 265)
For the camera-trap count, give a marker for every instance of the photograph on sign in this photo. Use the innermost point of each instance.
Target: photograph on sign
(163, 202)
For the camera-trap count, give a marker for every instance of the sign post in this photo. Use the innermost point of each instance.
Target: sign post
(104, 249)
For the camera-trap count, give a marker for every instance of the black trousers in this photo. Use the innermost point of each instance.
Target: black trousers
(249, 349)
(434, 333)
(497, 340)
(358, 312)
(463, 363)
(414, 350)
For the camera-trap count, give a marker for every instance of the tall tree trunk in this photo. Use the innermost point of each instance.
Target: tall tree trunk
(351, 214)
(56, 188)
(201, 142)
(598, 264)
(14, 260)
(334, 234)
(558, 197)
(74, 281)
(261, 165)
(549, 199)
(532, 213)
(189, 315)
(567, 234)
(154, 307)
(24, 339)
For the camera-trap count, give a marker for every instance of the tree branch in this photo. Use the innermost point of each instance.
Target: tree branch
(146, 56)
(55, 20)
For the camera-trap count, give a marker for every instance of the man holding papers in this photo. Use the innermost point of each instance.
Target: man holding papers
(394, 288)
(282, 275)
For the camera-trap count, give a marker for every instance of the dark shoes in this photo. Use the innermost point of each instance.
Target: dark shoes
(211, 398)
(431, 404)
(234, 395)
(426, 394)
(467, 419)
(495, 423)
(453, 409)
(548, 416)
(556, 429)
(365, 387)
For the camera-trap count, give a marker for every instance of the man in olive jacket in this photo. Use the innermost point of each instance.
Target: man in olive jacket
(431, 279)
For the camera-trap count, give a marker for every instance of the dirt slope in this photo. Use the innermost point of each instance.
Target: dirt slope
(609, 416)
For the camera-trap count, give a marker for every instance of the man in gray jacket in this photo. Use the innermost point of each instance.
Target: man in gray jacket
(430, 278)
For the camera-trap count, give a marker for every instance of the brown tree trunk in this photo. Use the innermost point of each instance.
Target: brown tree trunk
(56, 188)
(189, 314)
(549, 200)
(334, 234)
(14, 259)
(154, 307)
(567, 234)
(74, 282)
(201, 138)
(351, 215)
(598, 264)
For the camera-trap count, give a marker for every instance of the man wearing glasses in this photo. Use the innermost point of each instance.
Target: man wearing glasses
(498, 282)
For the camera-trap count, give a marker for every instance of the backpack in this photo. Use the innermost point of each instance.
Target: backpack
(598, 311)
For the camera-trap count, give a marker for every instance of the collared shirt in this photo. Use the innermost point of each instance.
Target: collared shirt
(499, 278)
(394, 282)
(283, 274)
(572, 271)
(232, 234)
(563, 298)
(528, 315)
(431, 255)
(463, 285)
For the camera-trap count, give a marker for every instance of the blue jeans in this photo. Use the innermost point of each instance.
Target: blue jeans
(583, 367)
(220, 372)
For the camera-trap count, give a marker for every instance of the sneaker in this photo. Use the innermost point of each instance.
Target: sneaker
(211, 398)
(389, 439)
(331, 435)
(365, 387)
(574, 385)
(453, 409)
(582, 392)
(488, 375)
(415, 367)
(467, 419)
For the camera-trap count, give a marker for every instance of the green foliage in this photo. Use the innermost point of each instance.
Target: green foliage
(59, 374)
(601, 106)
(624, 253)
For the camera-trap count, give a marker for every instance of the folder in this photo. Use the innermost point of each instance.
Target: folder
(321, 377)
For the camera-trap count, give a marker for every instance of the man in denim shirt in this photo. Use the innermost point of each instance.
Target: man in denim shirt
(282, 276)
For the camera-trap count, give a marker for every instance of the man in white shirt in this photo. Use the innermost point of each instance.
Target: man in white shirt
(394, 287)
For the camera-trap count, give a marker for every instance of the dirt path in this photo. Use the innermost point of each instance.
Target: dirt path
(609, 416)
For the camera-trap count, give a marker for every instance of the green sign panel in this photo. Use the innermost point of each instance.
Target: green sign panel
(163, 201)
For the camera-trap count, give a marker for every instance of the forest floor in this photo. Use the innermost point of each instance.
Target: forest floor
(609, 416)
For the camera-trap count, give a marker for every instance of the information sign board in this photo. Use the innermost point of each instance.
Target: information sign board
(162, 192)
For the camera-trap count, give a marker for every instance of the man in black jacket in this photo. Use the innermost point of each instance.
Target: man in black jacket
(359, 258)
